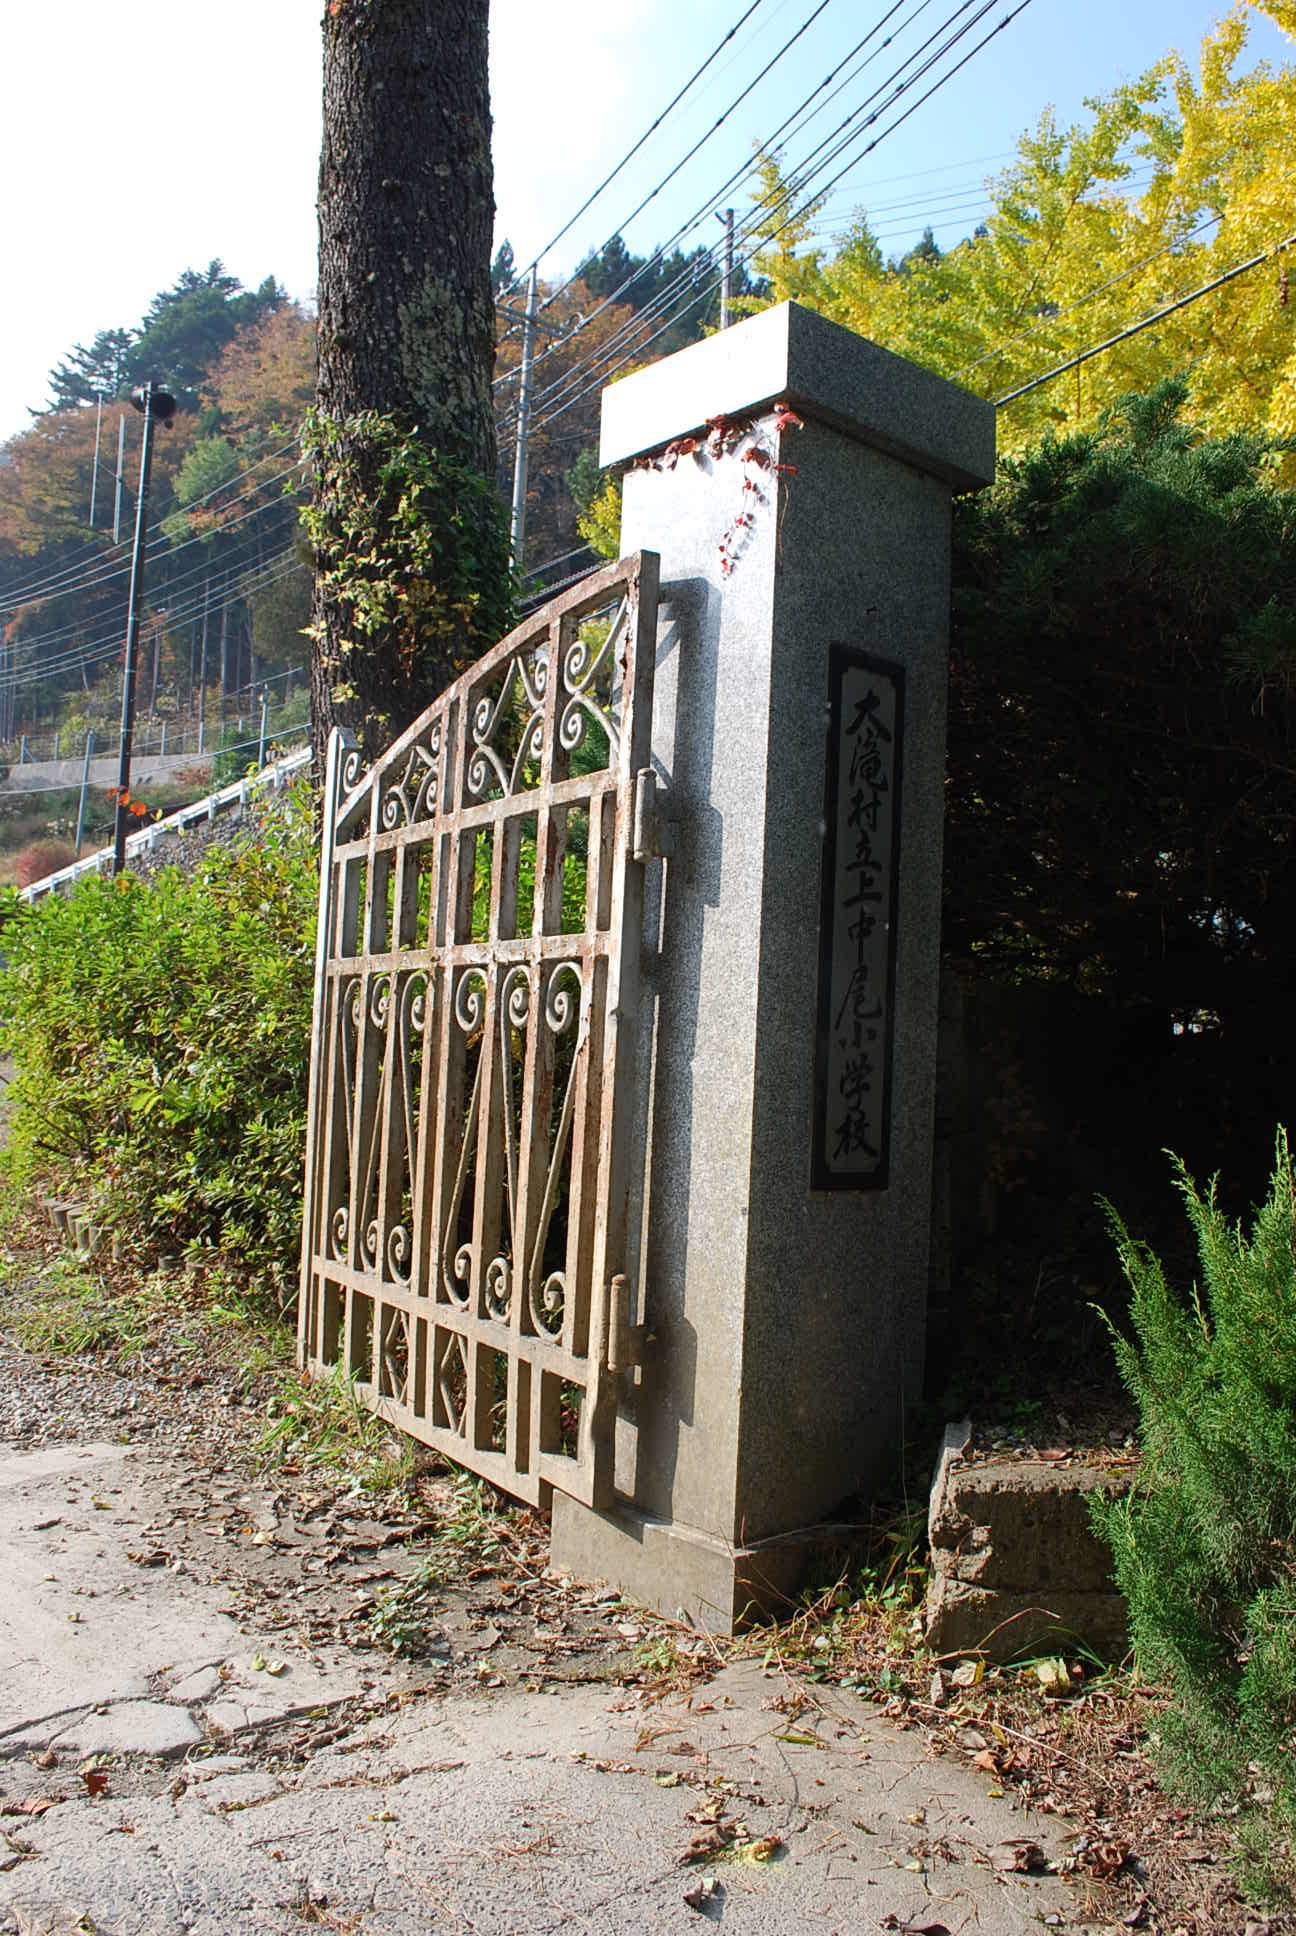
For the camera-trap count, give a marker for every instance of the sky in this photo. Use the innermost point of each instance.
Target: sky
(146, 138)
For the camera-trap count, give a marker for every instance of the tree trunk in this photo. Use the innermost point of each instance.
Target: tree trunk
(405, 303)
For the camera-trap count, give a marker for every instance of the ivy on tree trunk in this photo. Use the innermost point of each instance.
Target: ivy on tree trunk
(412, 553)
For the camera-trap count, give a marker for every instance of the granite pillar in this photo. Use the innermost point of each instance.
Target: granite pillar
(788, 1137)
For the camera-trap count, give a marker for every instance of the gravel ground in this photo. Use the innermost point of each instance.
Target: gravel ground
(329, 1574)
(236, 1745)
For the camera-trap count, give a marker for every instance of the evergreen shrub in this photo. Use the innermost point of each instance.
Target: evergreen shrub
(159, 1032)
(1205, 1548)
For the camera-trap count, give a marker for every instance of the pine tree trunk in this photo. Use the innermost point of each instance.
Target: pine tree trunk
(405, 303)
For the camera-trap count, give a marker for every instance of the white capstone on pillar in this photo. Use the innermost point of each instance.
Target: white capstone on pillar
(793, 944)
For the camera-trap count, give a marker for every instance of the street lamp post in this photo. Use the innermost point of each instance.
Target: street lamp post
(156, 406)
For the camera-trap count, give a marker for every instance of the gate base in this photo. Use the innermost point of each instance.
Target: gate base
(679, 1571)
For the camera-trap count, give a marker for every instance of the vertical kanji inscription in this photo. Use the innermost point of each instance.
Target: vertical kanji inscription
(852, 1130)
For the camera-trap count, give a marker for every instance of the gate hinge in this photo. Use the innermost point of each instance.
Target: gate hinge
(625, 1340)
(653, 829)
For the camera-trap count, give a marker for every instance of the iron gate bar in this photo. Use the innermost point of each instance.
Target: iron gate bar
(470, 1174)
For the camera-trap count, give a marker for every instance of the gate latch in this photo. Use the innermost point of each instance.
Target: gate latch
(653, 830)
(625, 1340)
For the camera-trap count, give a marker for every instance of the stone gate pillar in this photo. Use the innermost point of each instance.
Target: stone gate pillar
(793, 947)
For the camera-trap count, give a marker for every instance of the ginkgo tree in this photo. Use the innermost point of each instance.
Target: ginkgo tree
(1169, 182)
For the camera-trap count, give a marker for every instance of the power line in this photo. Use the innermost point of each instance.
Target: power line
(962, 199)
(630, 332)
(571, 222)
(1090, 295)
(715, 127)
(899, 83)
(714, 199)
(185, 578)
(238, 583)
(1146, 322)
(799, 212)
(24, 593)
(268, 576)
(896, 80)
(69, 577)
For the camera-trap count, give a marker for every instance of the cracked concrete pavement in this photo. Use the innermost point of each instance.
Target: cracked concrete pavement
(335, 1793)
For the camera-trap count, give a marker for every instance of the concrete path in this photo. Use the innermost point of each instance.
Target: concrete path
(159, 1775)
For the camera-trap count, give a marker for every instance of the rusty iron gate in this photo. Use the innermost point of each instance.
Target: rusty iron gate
(469, 1175)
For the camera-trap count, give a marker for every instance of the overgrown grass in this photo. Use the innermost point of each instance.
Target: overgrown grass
(859, 1618)
(470, 1533)
(318, 1422)
(57, 1305)
(69, 1311)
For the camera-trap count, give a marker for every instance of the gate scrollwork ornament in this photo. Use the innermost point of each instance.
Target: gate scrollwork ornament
(470, 1172)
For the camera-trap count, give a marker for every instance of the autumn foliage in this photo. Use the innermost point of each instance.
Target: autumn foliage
(1167, 184)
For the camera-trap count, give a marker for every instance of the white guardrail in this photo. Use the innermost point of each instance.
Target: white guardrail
(237, 794)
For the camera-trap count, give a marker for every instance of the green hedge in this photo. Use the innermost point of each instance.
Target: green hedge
(160, 1035)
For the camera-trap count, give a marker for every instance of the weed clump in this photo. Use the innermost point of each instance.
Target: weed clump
(1205, 1549)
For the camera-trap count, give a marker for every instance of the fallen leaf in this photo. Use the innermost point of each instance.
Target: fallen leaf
(707, 1812)
(712, 1842)
(762, 1850)
(1020, 1858)
(1054, 1677)
(96, 1780)
(707, 1890)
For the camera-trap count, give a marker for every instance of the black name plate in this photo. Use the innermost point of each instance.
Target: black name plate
(853, 1050)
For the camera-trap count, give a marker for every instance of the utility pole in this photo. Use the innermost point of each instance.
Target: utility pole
(224, 657)
(726, 280)
(94, 475)
(202, 664)
(517, 531)
(85, 783)
(157, 659)
(265, 701)
(121, 459)
(156, 406)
